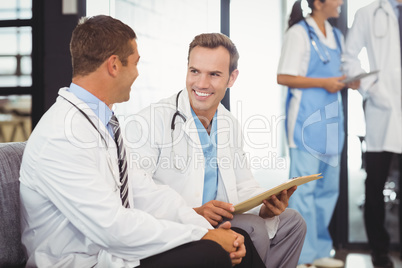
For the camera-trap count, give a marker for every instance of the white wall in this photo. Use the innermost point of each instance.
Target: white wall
(256, 98)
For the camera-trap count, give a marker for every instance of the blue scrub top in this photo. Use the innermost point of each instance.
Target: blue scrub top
(208, 143)
(319, 125)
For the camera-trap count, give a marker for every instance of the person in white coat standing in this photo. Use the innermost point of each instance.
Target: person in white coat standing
(193, 144)
(80, 205)
(377, 27)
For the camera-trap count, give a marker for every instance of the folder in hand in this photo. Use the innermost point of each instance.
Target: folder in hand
(257, 200)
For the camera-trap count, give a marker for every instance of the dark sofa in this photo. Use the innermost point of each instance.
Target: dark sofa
(11, 249)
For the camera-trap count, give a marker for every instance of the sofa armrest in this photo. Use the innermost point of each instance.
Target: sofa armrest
(11, 250)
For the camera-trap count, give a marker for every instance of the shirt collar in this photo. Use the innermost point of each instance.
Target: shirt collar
(100, 109)
(394, 5)
(200, 126)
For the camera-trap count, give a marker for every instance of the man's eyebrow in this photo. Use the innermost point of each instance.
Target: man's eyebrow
(216, 72)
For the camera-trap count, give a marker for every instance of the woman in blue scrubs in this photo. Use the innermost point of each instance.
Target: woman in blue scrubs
(310, 66)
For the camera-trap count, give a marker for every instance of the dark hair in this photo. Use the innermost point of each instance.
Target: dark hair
(297, 13)
(214, 40)
(97, 38)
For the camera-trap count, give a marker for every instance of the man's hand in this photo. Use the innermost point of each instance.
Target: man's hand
(214, 211)
(231, 241)
(274, 205)
(238, 243)
(354, 84)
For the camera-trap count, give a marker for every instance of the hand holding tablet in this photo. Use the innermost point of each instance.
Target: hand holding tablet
(358, 77)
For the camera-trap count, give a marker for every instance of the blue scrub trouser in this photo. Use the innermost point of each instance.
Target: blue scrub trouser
(315, 201)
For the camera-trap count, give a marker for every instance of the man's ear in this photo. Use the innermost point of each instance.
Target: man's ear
(113, 65)
(233, 77)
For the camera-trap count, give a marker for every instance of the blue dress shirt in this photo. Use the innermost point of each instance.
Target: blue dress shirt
(394, 5)
(101, 110)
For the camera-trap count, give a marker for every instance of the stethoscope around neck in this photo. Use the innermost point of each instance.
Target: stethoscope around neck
(177, 113)
(322, 47)
(379, 14)
(174, 155)
(116, 177)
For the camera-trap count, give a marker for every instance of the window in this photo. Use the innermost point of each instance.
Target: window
(15, 56)
(15, 69)
(15, 9)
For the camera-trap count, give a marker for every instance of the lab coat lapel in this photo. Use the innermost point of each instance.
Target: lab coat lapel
(111, 145)
(225, 130)
(388, 8)
(227, 177)
(92, 116)
(390, 27)
(189, 127)
(193, 143)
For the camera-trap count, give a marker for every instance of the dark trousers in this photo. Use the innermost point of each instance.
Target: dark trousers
(377, 168)
(203, 254)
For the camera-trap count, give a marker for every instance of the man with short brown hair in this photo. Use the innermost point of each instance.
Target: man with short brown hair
(80, 205)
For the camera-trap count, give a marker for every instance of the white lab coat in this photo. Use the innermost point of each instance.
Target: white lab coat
(70, 204)
(383, 99)
(150, 139)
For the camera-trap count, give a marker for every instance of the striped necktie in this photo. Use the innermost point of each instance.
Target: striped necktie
(121, 153)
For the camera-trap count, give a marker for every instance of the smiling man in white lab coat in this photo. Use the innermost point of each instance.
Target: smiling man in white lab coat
(79, 207)
(376, 28)
(193, 144)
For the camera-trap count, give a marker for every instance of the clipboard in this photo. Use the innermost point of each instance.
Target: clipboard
(359, 76)
(257, 200)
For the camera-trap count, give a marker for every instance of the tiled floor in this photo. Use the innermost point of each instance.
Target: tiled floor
(362, 259)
